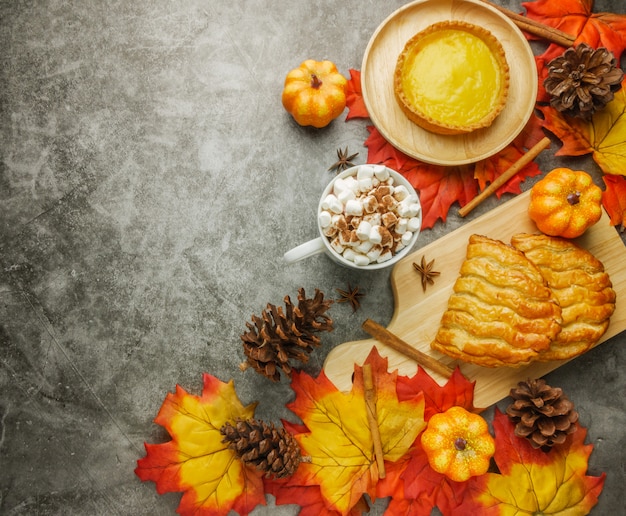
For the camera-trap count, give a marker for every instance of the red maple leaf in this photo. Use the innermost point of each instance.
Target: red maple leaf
(614, 199)
(577, 19)
(354, 97)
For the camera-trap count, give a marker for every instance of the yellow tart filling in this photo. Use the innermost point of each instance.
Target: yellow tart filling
(452, 77)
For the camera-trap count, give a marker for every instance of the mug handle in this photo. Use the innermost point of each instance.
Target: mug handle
(310, 248)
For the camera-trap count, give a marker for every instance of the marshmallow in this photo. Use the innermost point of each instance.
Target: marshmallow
(330, 231)
(332, 203)
(370, 204)
(374, 252)
(351, 183)
(373, 218)
(365, 184)
(414, 224)
(349, 255)
(325, 218)
(346, 195)
(389, 219)
(376, 236)
(336, 245)
(339, 221)
(406, 238)
(401, 226)
(354, 207)
(365, 172)
(364, 229)
(361, 259)
(400, 192)
(364, 247)
(384, 256)
(381, 172)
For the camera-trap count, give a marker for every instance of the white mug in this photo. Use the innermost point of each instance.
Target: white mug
(322, 244)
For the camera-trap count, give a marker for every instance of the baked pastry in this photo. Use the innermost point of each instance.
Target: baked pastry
(452, 78)
(501, 312)
(580, 285)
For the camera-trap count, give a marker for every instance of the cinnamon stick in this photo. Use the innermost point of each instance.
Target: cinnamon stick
(536, 28)
(506, 175)
(372, 418)
(386, 337)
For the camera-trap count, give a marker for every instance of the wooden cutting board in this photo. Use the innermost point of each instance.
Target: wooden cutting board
(417, 314)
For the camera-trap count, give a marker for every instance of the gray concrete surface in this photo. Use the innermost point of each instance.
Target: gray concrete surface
(150, 182)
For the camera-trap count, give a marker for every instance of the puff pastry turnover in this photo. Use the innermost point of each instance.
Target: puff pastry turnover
(501, 312)
(580, 285)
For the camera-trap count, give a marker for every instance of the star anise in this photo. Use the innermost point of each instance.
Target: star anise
(427, 272)
(352, 296)
(344, 160)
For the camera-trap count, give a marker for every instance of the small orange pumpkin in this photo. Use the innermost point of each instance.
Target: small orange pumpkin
(314, 93)
(565, 203)
(458, 444)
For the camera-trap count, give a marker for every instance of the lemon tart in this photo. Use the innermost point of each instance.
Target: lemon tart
(452, 78)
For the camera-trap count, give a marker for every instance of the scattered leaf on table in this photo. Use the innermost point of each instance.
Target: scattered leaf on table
(338, 437)
(196, 461)
(354, 97)
(423, 488)
(604, 136)
(532, 481)
(488, 170)
(577, 19)
(614, 199)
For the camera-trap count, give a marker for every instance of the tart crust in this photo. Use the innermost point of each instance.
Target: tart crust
(452, 78)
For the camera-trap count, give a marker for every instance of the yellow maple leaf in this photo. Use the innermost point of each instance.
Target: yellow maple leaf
(196, 460)
(604, 136)
(532, 481)
(339, 441)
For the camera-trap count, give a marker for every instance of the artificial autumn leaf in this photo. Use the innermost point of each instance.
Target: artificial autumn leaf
(577, 19)
(338, 438)
(604, 136)
(354, 97)
(532, 481)
(422, 488)
(488, 170)
(614, 199)
(196, 461)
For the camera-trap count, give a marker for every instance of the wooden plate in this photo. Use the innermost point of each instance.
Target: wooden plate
(378, 67)
(417, 314)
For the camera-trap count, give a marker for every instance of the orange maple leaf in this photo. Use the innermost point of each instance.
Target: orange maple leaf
(577, 19)
(195, 461)
(532, 481)
(338, 438)
(604, 136)
(614, 199)
(354, 97)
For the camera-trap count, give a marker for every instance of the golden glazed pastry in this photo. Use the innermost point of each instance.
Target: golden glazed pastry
(580, 285)
(452, 78)
(501, 312)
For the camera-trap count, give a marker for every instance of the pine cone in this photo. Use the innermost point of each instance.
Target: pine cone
(272, 451)
(542, 414)
(279, 336)
(582, 80)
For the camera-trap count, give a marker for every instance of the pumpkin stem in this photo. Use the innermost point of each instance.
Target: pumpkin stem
(315, 81)
(460, 443)
(573, 198)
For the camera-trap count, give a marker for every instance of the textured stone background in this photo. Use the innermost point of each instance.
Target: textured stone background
(150, 182)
